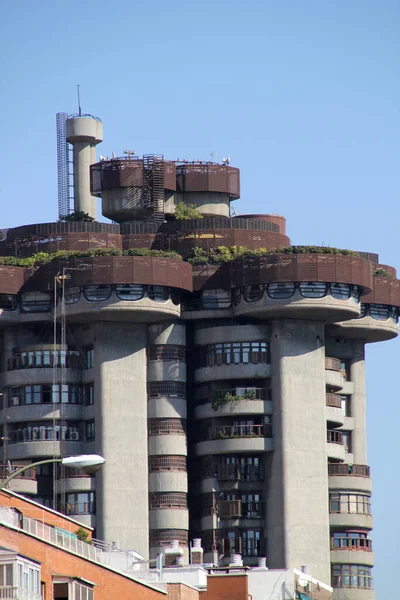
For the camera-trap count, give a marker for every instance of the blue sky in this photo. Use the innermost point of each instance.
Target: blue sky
(304, 97)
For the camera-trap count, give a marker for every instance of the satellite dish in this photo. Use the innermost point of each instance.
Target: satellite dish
(302, 581)
(226, 160)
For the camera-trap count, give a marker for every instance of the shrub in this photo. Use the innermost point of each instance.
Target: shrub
(77, 216)
(184, 212)
(379, 272)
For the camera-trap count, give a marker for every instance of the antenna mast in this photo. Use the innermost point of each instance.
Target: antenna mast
(79, 102)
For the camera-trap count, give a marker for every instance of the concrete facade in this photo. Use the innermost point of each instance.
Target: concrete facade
(236, 413)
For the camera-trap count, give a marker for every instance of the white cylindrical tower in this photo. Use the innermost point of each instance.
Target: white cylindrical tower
(84, 133)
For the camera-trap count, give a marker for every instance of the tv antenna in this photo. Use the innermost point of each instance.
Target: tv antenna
(213, 155)
(79, 101)
(129, 153)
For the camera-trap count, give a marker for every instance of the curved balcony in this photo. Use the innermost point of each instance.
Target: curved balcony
(334, 376)
(167, 481)
(236, 438)
(335, 447)
(350, 520)
(44, 411)
(167, 408)
(231, 333)
(78, 483)
(347, 550)
(169, 518)
(233, 360)
(31, 450)
(25, 483)
(236, 406)
(334, 410)
(349, 477)
(40, 375)
(172, 370)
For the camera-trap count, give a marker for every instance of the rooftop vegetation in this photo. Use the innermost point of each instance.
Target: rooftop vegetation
(62, 255)
(184, 212)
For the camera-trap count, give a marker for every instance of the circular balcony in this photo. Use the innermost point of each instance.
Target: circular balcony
(233, 360)
(350, 521)
(236, 438)
(334, 376)
(37, 449)
(25, 483)
(348, 550)
(335, 447)
(231, 333)
(78, 483)
(167, 408)
(334, 411)
(45, 412)
(37, 375)
(349, 477)
(167, 481)
(11, 281)
(167, 436)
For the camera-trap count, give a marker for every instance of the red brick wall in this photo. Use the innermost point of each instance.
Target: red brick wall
(180, 591)
(226, 587)
(54, 561)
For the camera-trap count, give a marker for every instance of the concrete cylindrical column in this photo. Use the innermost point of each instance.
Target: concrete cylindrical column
(167, 441)
(358, 403)
(121, 433)
(297, 503)
(84, 133)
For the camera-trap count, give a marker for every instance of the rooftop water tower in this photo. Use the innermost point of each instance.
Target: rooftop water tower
(83, 132)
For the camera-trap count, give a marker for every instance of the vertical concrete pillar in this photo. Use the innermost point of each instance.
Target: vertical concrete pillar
(358, 403)
(121, 433)
(83, 200)
(297, 505)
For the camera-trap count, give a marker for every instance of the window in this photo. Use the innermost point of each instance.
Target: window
(346, 437)
(82, 592)
(253, 293)
(351, 576)
(345, 369)
(346, 405)
(81, 503)
(89, 394)
(355, 292)
(32, 394)
(8, 301)
(312, 289)
(236, 353)
(89, 357)
(97, 293)
(394, 314)
(212, 299)
(347, 503)
(37, 302)
(340, 291)
(363, 310)
(90, 431)
(130, 292)
(166, 388)
(379, 312)
(6, 575)
(158, 293)
(280, 291)
(45, 394)
(72, 295)
(237, 296)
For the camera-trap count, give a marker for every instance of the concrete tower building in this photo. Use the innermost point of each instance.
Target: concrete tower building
(227, 395)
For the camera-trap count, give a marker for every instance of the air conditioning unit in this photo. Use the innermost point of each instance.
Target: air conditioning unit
(74, 437)
(15, 401)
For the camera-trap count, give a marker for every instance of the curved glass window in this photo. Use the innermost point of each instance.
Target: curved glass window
(97, 293)
(175, 296)
(158, 293)
(8, 301)
(312, 289)
(394, 314)
(35, 302)
(279, 291)
(129, 292)
(237, 296)
(340, 291)
(72, 295)
(253, 293)
(355, 292)
(216, 299)
(363, 310)
(379, 311)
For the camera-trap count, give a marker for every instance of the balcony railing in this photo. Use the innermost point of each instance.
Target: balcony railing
(349, 543)
(238, 472)
(5, 472)
(8, 592)
(333, 400)
(239, 431)
(332, 364)
(80, 508)
(45, 434)
(44, 360)
(236, 509)
(349, 470)
(238, 545)
(204, 395)
(335, 437)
